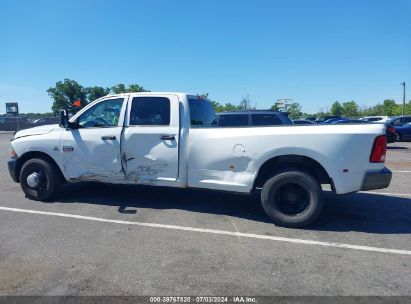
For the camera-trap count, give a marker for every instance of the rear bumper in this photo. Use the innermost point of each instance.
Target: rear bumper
(377, 180)
(12, 165)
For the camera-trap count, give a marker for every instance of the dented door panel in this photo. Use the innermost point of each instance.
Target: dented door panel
(150, 142)
(86, 156)
(91, 152)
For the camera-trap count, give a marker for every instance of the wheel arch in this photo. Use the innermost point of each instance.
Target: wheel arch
(36, 154)
(291, 161)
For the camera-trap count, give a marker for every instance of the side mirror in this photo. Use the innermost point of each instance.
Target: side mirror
(63, 119)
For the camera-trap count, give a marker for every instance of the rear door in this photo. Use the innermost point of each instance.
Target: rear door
(150, 142)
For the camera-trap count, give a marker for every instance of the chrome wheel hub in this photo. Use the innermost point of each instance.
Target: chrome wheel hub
(33, 180)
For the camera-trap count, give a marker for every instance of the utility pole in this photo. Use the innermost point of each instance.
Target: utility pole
(403, 98)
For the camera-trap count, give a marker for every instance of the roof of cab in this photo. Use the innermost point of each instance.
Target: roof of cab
(147, 94)
(179, 94)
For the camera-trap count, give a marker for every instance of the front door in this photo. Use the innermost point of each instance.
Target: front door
(92, 150)
(151, 139)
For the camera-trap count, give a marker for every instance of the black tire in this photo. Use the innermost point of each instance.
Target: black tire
(397, 137)
(292, 198)
(50, 180)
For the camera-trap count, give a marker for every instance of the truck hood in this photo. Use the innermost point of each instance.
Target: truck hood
(36, 131)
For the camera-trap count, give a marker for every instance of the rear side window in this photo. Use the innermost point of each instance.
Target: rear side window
(149, 111)
(201, 113)
(265, 120)
(374, 119)
(396, 122)
(233, 120)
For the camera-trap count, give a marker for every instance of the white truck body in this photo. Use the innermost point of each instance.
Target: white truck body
(180, 154)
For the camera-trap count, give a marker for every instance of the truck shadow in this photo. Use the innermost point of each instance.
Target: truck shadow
(359, 212)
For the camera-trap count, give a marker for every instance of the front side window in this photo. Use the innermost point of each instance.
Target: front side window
(104, 114)
(146, 111)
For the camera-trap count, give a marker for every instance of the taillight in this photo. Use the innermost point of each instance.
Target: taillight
(391, 130)
(379, 149)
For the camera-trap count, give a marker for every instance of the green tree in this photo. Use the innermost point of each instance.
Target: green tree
(245, 103)
(64, 93)
(204, 95)
(217, 106)
(119, 88)
(350, 109)
(229, 107)
(274, 107)
(132, 88)
(337, 109)
(294, 110)
(390, 108)
(407, 109)
(378, 109)
(96, 92)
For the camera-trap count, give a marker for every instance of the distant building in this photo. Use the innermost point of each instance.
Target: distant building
(284, 104)
(12, 109)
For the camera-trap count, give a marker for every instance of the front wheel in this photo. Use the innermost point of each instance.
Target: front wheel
(39, 179)
(397, 137)
(292, 199)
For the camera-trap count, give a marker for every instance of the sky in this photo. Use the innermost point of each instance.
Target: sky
(313, 51)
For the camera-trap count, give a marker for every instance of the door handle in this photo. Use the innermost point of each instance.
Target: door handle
(168, 137)
(108, 137)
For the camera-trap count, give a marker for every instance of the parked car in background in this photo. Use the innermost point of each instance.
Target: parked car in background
(46, 121)
(10, 123)
(400, 121)
(252, 118)
(303, 122)
(389, 131)
(325, 118)
(346, 120)
(403, 133)
(310, 118)
(380, 119)
(390, 134)
(331, 120)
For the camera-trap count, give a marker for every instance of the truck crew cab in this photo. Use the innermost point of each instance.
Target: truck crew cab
(171, 139)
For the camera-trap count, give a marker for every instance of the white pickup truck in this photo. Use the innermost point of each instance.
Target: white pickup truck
(170, 139)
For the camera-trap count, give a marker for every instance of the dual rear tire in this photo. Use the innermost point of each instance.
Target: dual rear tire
(292, 198)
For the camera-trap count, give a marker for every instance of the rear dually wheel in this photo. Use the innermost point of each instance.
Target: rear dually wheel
(292, 198)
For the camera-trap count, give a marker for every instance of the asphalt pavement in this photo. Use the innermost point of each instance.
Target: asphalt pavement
(96, 239)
